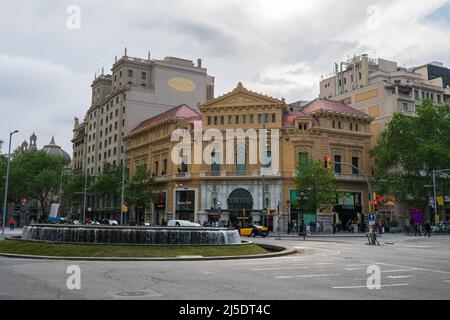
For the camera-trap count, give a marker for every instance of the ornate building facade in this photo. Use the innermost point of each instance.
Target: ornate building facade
(228, 185)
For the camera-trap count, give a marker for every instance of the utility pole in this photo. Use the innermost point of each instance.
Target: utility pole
(85, 191)
(122, 198)
(5, 203)
(434, 189)
(263, 177)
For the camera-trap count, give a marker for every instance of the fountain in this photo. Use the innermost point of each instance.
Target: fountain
(131, 235)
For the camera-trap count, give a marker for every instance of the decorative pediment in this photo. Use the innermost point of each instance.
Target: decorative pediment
(241, 96)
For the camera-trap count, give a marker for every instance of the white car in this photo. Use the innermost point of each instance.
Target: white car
(110, 222)
(181, 223)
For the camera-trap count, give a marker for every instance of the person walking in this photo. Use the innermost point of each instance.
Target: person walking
(417, 230)
(11, 223)
(427, 229)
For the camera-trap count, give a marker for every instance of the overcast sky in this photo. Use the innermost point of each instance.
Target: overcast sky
(280, 48)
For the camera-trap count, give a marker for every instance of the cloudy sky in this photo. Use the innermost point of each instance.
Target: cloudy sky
(281, 48)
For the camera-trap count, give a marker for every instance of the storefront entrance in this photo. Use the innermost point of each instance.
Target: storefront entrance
(160, 209)
(185, 205)
(240, 205)
(349, 211)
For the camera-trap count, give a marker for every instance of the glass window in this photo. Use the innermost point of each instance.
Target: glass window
(274, 117)
(303, 158)
(144, 76)
(240, 159)
(215, 163)
(130, 73)
(337, 167)
(355, 162)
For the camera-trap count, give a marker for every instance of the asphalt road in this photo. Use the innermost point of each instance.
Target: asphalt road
(411, 268)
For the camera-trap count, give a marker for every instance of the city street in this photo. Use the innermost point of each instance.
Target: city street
(332, 268)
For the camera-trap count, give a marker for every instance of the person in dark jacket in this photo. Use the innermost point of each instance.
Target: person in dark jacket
(427, 229)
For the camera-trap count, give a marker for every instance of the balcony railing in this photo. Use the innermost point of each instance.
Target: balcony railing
(160, 178)
(256, 173)
(349, 177)
(184, 175)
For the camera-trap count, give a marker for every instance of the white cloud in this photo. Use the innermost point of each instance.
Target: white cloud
(279, 47)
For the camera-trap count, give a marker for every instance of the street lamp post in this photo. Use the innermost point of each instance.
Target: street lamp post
(5, 203)
(122, 195)
(434, 188)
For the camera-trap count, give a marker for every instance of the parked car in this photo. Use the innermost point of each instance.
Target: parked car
(110, 222)
(255, 230)
(443, 226)
(181, 223)
(77, 222)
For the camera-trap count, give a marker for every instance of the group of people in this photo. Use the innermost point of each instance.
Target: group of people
(351, 226)
(416, 228)
(217, 224)
(313, 227)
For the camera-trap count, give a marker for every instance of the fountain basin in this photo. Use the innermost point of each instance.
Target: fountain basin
(131, 235)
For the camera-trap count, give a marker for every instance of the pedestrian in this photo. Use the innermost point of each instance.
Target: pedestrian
(417, 230)
(11, 223)
(427, 229)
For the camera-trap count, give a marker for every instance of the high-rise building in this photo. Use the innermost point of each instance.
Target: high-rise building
(135, 90)
(381, 88)
(233, 188)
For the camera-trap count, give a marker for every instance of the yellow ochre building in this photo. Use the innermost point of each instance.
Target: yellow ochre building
(231, 192)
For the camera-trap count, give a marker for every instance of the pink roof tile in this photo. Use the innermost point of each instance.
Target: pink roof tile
(289, 118)
(182, 111)
(335, 106)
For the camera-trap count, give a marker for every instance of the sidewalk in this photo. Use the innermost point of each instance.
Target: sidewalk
(320, 235)
(16, 232)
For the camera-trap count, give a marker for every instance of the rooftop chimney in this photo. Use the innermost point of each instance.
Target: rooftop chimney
(199, 63)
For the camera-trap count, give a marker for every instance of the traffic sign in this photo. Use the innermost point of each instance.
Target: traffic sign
(264, 211)
(372, 217)
(219, 209)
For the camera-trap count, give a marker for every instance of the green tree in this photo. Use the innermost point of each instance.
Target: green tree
(2, 173)
(408, 151)
(35, 175)
(73, 189)
(317, 183)
(138, 192)
(107, 185)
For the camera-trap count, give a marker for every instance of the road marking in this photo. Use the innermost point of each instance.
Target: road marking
(447, 281)
(400, 270)
(308, 276)
(410, 268)
(323, 263)
(357, 265)
(273, 269)
(354, 269)
(385, 285)
(400, 277)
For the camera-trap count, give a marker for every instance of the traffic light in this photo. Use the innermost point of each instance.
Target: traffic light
(327, 162)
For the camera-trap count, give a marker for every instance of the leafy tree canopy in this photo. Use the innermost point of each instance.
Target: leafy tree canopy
(410, 148)
(317, 183)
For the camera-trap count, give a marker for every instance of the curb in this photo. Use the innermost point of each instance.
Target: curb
(285, 251)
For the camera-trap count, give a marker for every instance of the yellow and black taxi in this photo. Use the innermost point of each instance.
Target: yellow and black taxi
(254, 230)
